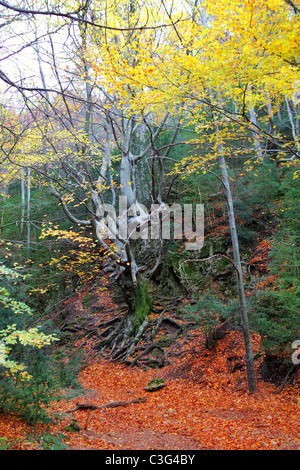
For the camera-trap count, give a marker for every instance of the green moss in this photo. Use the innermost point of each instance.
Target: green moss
(155, 384)
(165, 341)
(143, 302)
(73, 427)
(87, 300)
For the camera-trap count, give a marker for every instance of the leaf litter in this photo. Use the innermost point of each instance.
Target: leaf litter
(204, 405)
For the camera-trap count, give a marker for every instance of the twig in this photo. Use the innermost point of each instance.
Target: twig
(293, 371)
(111, 404)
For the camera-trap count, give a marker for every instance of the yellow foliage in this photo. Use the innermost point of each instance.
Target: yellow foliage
(245, 52)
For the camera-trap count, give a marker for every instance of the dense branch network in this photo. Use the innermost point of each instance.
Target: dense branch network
(107, 120)
(74, 16)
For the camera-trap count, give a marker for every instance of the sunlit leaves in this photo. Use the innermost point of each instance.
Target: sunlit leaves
(82, 260)
(243, 54)
(11, 335)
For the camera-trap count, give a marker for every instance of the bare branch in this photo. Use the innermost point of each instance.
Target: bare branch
(67, 211)
(71, 16)
(292, 4)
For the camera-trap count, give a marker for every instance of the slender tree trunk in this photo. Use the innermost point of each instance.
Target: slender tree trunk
(237, 261)
(270, 113)
(257, 143)
(22, 186)
(294, 124)
(240, 284)
(28, 208)
(22, 200)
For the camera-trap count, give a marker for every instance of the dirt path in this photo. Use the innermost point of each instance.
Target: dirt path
(136, 439)
(111, 429)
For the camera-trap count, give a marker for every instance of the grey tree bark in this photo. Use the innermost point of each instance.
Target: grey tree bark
(240, 284)
(237, 262)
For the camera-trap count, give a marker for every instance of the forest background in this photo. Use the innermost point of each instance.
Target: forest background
(160, 103)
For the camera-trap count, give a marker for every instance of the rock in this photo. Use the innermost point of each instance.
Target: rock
(155, 384)
(73, 427)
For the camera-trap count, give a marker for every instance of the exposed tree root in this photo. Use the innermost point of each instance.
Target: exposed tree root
(145, 358)
(132, 335)
(136, 344)
(290, 377)
(111, 404)
(122, 340)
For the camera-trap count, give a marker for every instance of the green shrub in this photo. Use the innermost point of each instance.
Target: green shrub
(4, 444)
(50, 442)
(31, 398)
(31, 376)
(275, 316)
(208, 313)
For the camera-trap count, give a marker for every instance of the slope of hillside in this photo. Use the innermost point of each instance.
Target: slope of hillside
(203, 405)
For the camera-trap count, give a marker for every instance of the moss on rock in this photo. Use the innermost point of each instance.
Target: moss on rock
(155, 384)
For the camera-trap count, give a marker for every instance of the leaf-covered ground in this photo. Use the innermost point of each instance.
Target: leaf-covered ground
(204, 405)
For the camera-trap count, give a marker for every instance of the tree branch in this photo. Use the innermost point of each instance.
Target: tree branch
(70, 16)
(292, 4)
(111, 404)
(209, 258)
(66, 209)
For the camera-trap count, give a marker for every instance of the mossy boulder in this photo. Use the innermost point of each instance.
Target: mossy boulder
(154, 385)
(73, 427)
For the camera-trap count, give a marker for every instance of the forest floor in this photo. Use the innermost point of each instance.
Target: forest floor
(204, 405)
